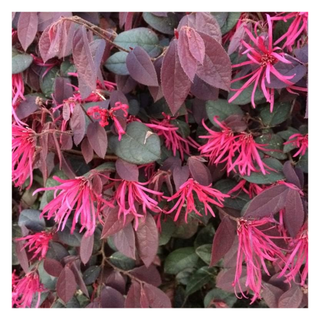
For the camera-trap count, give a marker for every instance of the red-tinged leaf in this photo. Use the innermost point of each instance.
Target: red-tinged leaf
(147, 240)
(97, 48)
(125, 242)
(117, 96)
(271, 294)
(52, 267)
(196, 45)
(67, 33)
(111, 298)
(202, 22)
(113, 223)
(174, 82)
(87, 72)
(235, 123)
(125, 19)
(97, 137)
(235, 41)
(143, 298)
(290, 174)
(94, 304)
(62, 89)
(216, 67)
(223, 240)
(291, 298)
(75, 268)
(22, 256)
(141, 67)
(86, 247)
(86, 150)
(116, 281)
(26, 107)
(27, 28)
(187, 60)
(133, 296)
(97, 184)
(156, 297)
(47, 18)
(125, 83)
(199, 171)
(267, 202)
(202, 90)
(78, 124)
(180, 175)
(127, 171)
(156, 93)
(225, 279)
(66, 285)
(294, 213)
(150, 275)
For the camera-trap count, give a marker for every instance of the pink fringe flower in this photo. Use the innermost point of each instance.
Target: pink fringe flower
(186, 199)
(23, 154)
(37, 243)
(17, 89)
(252, 190)
(24, 289)
(254, 247)
(172, 139)
(80, 195)
(299, 141)
(262, 57)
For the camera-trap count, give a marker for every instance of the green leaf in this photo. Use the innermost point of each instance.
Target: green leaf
(66, 237)
(221, 17)
(117, 63)
(221, 108)
(184, 276)
(204, 236)
(162, 24)
(52, 183)
(280, 113)
(245, 95)
(121, 261)
(287, 133)
(47, 82)
(66, 67)
(167, 230)
(31, 219)
(274, 142)
(200, 278)
(204, 252)
(231, 21)
(142, 37)
(20, 62)
(219, 295)
(138, 145)
(179, 260)
(303, 163)
(273, 176)
(161, 106)
(91, 274)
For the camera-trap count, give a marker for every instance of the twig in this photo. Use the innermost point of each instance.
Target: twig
(79, 153)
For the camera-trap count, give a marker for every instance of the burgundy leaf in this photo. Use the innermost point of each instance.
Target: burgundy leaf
(196, 45)
(267, 202)
(216, 68)
(76, 269)
(116, 281)
(302, 53)
(147, 239)
(97, 137)
(150, 275)
(94, 304)
(66, 112)
(180, 175)
(156, 93)
(223, 240)
(174, 82)
(294, 213)
(125, 19)
(116, 96)
(141, 67)
(111, 298)
(235, 41)
(97, 184)
(47, 18)
(26, 107)
(300, 175)
(78, 124)
(66, 285)
(187, 60)
(125, 242)
(52, 267)
(27, 28)
(113, 223)
(125, 83)
(199, 110)
(225, 279)
(133, 296)
(127, 171)
(97, 48)
(87, 72)
(199, 171)
(156, 297)
(202, 90)
(291, 175)
(271, 295)
(86, 150)
(66, 41)
(235, 123)
(143, 298)
(170, 163)
(62, 89)
(291, 298)
(22, 256)
(86, 247)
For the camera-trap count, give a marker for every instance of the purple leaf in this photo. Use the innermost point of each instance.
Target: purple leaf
(22, 256)
(156, 297)
(174, 82)
(86, 150)
(267, 202)
(87, 72)
(116, 281)
(141, 67)
(225, 279)
(52, 267)
(223, 240)
(291, 175)
(97, 48)
(26, 107)
(271, 295)
(133, 296)
(294, 214)
(180, 175)
(216, 68)
(97, 137)
(125, 19)
(125, 83)
(195, 44)
(291, 298)
(47, 18)
(27, 28)
(202, 90)
(66, 285)
(235, 123)
(125, 242)
(199, 110)
(127, 171)
(113, 223)
(62, 89)
(236, 39)
(86, 247)
(199, 171)
(111, 298)
(78, 124)
(156, 93)
(117, 96)
(75, 268)
(150, 275)
(147, 240)
(302, 53)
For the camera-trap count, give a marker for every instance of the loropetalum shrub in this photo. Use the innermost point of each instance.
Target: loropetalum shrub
(159, 159)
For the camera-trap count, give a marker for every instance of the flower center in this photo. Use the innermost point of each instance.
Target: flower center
(267, 59)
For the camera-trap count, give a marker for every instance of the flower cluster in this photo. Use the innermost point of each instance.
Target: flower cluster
(299, 141)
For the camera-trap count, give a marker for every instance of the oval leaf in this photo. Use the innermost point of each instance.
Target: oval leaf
(97, 137)
(127, 171)
(111, 298)
(86, 247)
(117, 63)
(52, 267)
(125, 242)
(66, 285)
(199, 171)
(27, 28)
(31, 219)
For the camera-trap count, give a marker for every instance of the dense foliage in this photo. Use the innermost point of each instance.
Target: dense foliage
(159, 160)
